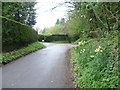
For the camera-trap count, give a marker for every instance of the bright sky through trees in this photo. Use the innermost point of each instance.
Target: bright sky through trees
(47, 17)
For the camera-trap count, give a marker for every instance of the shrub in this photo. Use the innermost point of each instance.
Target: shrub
(16, 35)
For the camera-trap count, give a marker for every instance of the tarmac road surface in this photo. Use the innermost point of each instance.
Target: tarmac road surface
(45, 68)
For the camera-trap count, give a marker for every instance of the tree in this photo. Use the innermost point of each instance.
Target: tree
(14, 31)
(23, 12)
(87, 17)
(62, 21)
(57, 22)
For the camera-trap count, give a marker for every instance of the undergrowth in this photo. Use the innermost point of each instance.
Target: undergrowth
(96, 63)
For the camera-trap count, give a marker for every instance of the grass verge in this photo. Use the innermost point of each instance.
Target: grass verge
(96, 63)
(10, 56)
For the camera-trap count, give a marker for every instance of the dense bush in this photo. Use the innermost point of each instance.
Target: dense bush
(54, 37)
(16, 35)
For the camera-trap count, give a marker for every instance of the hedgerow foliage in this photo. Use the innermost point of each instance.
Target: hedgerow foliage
(16, 35)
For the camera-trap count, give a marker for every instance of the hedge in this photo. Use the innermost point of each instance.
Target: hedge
(16, 35)
(54, 37)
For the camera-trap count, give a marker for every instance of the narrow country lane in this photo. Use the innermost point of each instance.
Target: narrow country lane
(45, 68)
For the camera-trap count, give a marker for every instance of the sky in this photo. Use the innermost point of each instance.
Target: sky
(47, 17)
